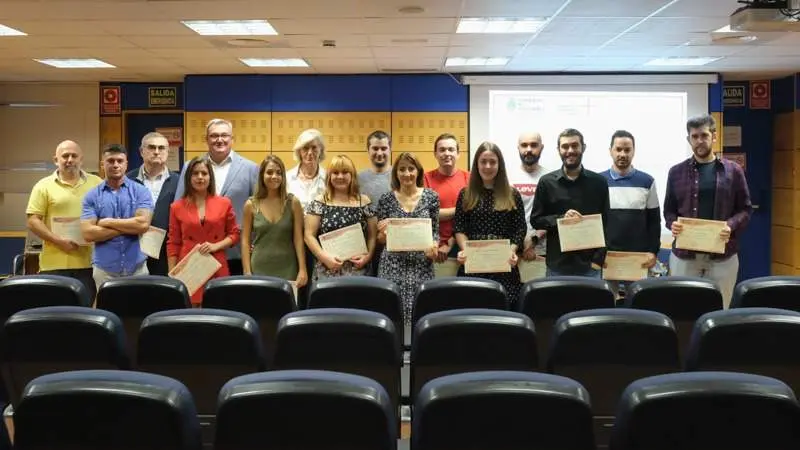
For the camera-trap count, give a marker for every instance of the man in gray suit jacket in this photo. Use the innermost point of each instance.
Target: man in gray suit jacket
(235, 178)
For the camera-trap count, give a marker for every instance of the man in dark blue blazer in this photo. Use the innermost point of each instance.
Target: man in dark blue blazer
(162, 184)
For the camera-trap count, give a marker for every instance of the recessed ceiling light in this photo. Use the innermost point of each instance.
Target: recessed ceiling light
(471, 62)
(726, 36)
(76, 63)
(683, 61)
(8, 31)
(273, 62)
(411, 10)
(231, 27)
(500, 25)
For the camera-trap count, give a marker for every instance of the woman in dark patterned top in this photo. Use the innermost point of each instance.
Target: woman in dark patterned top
(489, 208)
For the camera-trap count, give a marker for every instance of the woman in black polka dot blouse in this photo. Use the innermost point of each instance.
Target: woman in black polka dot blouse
(490, 208)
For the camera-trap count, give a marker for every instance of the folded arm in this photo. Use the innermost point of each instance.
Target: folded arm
(92, 232)
(138, 224)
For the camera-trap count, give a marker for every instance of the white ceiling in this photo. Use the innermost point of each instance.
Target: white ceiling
(146, 41)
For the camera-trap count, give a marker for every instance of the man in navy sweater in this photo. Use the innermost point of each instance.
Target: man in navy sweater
(634, 217)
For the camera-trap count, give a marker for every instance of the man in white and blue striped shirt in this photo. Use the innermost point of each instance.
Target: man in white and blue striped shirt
(634, 218)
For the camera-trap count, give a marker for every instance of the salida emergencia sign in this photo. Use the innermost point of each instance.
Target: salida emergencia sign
(161, 97)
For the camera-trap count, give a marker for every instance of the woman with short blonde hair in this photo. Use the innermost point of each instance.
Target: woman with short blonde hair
(340, 205)
(307, 179)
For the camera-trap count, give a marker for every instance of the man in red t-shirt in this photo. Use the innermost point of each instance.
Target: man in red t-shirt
(447, 181)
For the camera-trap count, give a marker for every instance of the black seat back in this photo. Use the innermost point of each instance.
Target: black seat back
(106, 409)
(546, 299)
(682, 299)
(753, 340)
(134, 298)
(502, 411)
(607, 349)
(305, 410)
(265, 299)
(469, 340)
(705, 410)
(359, 292)
(36, 291)
(447, 293)
(781, 292)
(51, 339)
(341, 340)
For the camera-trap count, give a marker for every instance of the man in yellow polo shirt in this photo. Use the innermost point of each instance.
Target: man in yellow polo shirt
(54, 211)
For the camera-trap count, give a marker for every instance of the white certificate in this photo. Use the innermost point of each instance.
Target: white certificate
(625, 266)
(150, 242)
(701, 235)
(489, 256)
(344, 243)
(408, 235)
(68, 228)
(531, 270)
(581, 233)
(448, 268)
(195, 269)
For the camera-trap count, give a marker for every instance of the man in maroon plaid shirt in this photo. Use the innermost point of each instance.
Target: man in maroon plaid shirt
(707, 187)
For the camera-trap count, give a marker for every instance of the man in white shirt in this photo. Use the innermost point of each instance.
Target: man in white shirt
(525, 177)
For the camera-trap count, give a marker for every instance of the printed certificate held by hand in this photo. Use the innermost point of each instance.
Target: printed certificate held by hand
(625, 266)
(701, 235)
(344, 243)
(195, 269)
(68, 228)
(581, 233)
(489, 256)
(150, 242)
(408, 235)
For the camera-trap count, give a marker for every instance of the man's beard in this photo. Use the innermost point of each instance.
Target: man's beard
(529, 159)
(574, 166)
(379, 164)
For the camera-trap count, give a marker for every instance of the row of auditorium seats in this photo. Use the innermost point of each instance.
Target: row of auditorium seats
(267, 299)
(316, 410)
(605, 349)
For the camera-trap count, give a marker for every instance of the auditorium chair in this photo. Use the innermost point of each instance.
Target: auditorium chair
(768, 292)
(53, 339)
(503, 410)
(203, 349)
(682, 299)
(305, 410)
(607, 349)
(105, 410)
(448, 293)
(265, 299)
(36, 291)
(341, 340)
(134, 298)
(359, 292)
(762, 341)
(546, 299)
(707, 410)
(471, 340)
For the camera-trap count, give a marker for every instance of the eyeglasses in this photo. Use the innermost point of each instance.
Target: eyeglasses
(216, 136)
(161, 148)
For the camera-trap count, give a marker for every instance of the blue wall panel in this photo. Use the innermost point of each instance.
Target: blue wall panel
(715, 96)
(757, 142)
(341, 93)
(9, 247)
(428, 93)
(135, 95)
(227, 93)
(783, 94)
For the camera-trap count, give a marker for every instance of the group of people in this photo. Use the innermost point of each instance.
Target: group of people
(266, 220)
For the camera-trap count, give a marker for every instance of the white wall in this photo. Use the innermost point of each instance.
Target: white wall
(31, 134)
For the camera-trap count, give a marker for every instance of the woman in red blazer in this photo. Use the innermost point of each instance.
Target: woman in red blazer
(201, 219)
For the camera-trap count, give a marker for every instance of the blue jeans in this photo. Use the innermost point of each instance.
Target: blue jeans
(591, 273)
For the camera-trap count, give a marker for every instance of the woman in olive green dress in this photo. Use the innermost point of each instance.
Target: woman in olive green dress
(273, 219)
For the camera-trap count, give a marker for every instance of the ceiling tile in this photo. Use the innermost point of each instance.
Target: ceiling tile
(479, 52)
(66, 42)
(410, 26)
(315, 40)
(709, 8)
(657, 25)
(612, 9)
(318, 63)
(510, 8)
(389, 8)
(144, 28)
(262, 52)
(57, 27)
(152, 42)
(325, 52)
(568, 26)
(319, 26)
(465, 40)
(410, 40)
(406, 63)
(410, 52)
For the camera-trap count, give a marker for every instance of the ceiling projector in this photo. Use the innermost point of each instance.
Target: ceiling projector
(767, 16)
